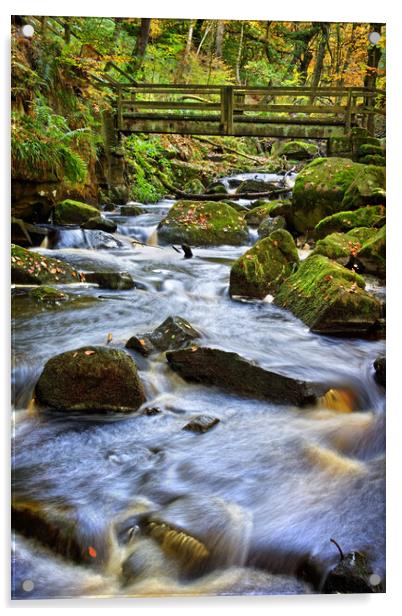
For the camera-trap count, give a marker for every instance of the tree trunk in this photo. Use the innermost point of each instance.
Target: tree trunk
(370, 79)
(239, 55)
(220, 31)
(141, 43)
(319, 63)
(189, 38)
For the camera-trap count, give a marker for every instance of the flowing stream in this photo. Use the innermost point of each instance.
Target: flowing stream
(266, 487)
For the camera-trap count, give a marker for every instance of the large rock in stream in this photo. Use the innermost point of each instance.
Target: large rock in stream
(174, 333)
(371, 255)
(70, 212)
(329, 298)
(204, 223)
(329, 185)
(236, 374)
(29, 267)
(263, 268)
(90, 379)
(343, 247)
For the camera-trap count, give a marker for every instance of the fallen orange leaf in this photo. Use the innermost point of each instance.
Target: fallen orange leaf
(92, 552)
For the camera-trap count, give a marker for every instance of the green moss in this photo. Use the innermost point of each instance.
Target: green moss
(370, 216)
(341, 247)
(70, 212)
(368, 188)
(203, 223)
(271, 224)
(373, 159)
(255, 216)
(329, 298)
(44, 294)
(29, 267)
(319, 190)
(264, 267)
(295, 150)
(368, 148)
(372, 254)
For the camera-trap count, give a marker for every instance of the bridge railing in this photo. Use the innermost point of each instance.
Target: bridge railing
(233, 109)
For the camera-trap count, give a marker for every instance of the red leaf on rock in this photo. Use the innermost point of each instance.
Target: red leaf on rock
(92, 552)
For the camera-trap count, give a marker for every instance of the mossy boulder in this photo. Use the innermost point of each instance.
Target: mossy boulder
(70, 212)
(204, 223)
(342, 247)
(367, 188)
(370, 148)
(269, 225)
(29, 267)
(373, 159)
(369, 216)
(100, 223)
(279, 207)
(330, 185)
(130, 210)
(295, 150)
(263, 268)
(116, 281)
(256, 186)
(194, 187)
(371, 255)
(90, 379)
(217, 188)
(329, 298)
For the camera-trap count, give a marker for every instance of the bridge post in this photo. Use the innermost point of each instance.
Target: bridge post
(114, 172)
(227, 110)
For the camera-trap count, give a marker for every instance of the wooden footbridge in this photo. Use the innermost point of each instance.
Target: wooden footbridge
(281, 112)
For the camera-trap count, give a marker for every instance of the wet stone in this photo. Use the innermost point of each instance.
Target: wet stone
(116, 281)
(141, 345)
(380, 370)
(102, 224)
(201, 423)
(173, 333)
(352, 575)
(130, 210)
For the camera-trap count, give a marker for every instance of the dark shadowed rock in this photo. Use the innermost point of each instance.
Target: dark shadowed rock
(256, 186)
(380, 370)
(232, 372)
(103, 224)
(173, 333)
(141, 345)
(352, 575)
(201, 423)
(90, 379)
(130, 210)
(116, 281)
(269, 225)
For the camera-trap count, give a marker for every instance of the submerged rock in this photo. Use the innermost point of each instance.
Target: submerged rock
(70, 212)
(232, 372)
(201, 423)
(203, 223)
(380, 370)
(330, 185)
(116, 281)
(370, 216)
(329, 298)
(102, 224)
(90, 379)
(263, 268)
(29, 267)
(371, 255)
(58, 527)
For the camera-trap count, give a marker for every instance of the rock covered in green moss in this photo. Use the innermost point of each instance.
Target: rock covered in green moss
(205, 223)
(28, 267)
(371, 255)
(295, 150)
(330, 185)
(255, 216)
(329, 298)
(369, 216)
(367, 188)
(90, 379)
(217, 188)
(70, 212)
(263, 268)
(342, 247)
(256, 186)
(269, 225)
(48, 295)
(194, 187)
(131, 210)
(116, 281)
